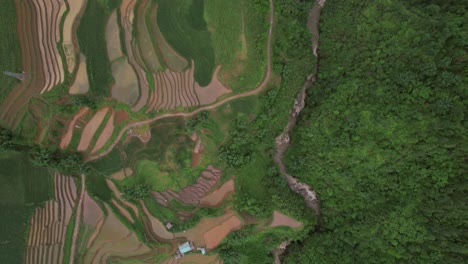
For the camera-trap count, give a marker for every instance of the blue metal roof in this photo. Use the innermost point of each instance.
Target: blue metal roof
(185, 247)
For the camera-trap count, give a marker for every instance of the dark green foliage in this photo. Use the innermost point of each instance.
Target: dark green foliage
(97, 186)
(9, 48)
(135, 192)
(66, 163)
(183, 25)
(22, 188)
(249, 245)
(6, 139)
(195, 122)
(383, 137)
(91, 39)
(238, 150)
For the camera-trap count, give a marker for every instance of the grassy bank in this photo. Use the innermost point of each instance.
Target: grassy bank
(9, 48)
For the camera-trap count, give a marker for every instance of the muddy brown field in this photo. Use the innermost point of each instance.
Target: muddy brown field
(214, 236)
(215, 198)
(114, 50)
(125, 88)
(105, 134)
(280, 219)
(91, 128)
(81, 83)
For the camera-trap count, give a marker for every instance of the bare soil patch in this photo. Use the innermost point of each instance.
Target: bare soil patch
(120, 175)
(217, 234)
(196, 234)
(125, 88)
(81, 84)
(91, 128)
(213, 91)
(66, 138)
(114, 50)
(280, 219)
(105, 134)
(215, 198)
(120, 117)
(92, 213)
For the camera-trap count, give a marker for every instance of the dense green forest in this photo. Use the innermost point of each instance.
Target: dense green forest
(383, 136)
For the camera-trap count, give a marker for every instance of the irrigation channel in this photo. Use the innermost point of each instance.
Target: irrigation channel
(283, 141)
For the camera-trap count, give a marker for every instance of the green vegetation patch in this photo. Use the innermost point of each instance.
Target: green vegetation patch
(9, 48)
(22, 188)
(91, 39)
(239, 33)
(182, 24)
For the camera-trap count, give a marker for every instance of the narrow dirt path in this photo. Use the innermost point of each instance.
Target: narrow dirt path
(257, 90)
(77, 220)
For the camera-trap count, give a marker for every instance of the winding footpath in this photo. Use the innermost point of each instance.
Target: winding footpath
(257, 90)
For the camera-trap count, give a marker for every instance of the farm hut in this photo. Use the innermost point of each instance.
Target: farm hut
(168, 225)
(186, 247)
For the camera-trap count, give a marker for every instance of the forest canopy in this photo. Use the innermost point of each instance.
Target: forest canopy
(383, 137)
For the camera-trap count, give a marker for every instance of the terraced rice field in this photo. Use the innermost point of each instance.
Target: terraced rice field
(114, 239)
(91, 128)
(133, 54)
(118, 195)
(191, 194)
(46, 239)
(67, 137)
(144, 39)
(105, 134)
(38, 34)
(173, 60)
(76, 7)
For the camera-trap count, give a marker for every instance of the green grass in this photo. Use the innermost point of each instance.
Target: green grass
(108, 164)
(240, 73)
(97, 186)
(182, 24)
(92, 43)
(22, 188)
(9, 48)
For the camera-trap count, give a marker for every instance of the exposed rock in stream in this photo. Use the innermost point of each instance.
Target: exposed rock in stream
(283, 141)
